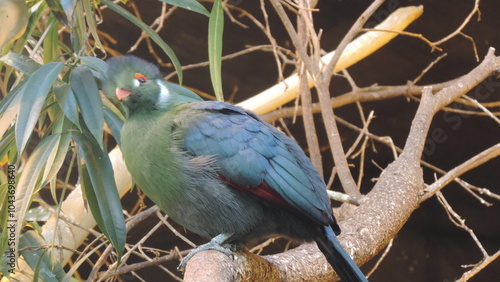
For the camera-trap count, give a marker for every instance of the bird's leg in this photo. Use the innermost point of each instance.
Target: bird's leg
(218, 243)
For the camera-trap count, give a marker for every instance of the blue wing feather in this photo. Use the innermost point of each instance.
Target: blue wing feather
(249, 152)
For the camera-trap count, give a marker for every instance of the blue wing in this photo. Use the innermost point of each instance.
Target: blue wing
(251, 152)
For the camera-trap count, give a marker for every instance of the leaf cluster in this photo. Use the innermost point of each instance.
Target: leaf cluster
(52, 117)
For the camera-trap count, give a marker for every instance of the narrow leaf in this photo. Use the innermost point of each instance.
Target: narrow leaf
(69, 8)
(5, 103)
(87, 95)
(7, 143)
(77, 23)
(96, 65)
(101, 191)
(215, 30)
(58, 11)
(28, 181)
(114, 119)
(10, 114)
(56, 157)
(150, 32)
(21, 62)
(191, 5)
(66, 99)
(91, 23)
(51, 41)
(32, 100)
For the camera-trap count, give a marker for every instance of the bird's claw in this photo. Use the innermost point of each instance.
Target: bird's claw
(216, 244)
(205, 247)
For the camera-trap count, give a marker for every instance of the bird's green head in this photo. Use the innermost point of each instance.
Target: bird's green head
(139, 85)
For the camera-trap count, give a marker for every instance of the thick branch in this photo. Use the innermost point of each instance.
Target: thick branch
(462, 86)
(368, 228)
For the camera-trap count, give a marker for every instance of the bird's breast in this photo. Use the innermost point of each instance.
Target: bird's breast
(151, 159)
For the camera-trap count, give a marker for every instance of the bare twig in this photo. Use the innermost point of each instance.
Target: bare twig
(344, 198)
(250, 49)
(130, 224)
(424, 71)
(361, 47)
(462, 26)
(479, 105)
(411, 34)
(360, 135)
(473, 162)
(474, 47)
(459, 221)
(177, 233)
(381, 259)
(145, 264)
(478, 267)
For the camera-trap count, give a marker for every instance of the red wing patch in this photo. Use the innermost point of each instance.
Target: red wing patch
(263, 191)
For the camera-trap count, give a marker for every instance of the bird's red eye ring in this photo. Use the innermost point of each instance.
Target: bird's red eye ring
(141, 78)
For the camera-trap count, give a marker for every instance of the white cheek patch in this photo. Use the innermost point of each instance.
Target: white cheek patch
(136, 83)
(164, 94)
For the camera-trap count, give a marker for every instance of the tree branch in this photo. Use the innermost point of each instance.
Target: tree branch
(367, 229)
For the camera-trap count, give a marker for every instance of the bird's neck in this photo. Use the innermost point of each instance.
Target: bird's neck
(149, 110)
(142, 121)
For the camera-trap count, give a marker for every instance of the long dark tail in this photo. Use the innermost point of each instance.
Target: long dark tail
(338, 258)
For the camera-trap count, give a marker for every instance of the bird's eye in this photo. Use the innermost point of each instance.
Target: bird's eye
(141, 78)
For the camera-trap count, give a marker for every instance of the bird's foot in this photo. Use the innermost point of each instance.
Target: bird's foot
(217, 244)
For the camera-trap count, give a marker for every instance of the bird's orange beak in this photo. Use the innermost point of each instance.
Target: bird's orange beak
(121, 94)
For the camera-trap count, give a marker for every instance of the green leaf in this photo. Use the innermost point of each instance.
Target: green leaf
(191, 5)
(96, 65)
(40, 259)
(58, 11)
(100, 189)
(78, 33)
(6, 102)
(51, 41)
(215, 30)
(114, 119)
(56, 157)
(10, 113)
(21, 62)
(7, 144)
(87, 95)
(150, 32)
(29, 179)
(66, 99)
(69, 8)
(32, 101)
(91, 23)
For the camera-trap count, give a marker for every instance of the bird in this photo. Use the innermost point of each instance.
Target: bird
(219, 170)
